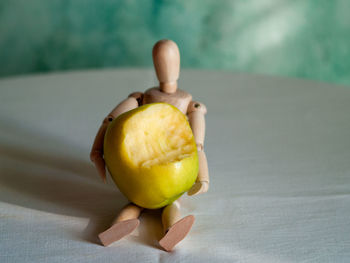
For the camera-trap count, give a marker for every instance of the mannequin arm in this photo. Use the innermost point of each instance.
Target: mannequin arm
(195, 113)
(96, 154)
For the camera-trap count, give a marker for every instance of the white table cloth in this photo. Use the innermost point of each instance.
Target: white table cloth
(279, 160)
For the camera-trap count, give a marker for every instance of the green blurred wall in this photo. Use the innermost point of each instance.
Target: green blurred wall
(298, 38)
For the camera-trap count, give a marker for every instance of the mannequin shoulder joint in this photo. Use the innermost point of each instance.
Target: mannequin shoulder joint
(196, 106)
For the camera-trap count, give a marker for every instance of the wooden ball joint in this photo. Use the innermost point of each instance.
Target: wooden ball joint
(166, 59)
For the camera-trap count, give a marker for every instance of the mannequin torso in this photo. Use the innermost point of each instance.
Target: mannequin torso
(180, 99)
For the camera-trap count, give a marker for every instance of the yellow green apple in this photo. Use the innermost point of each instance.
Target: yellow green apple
(151, 154)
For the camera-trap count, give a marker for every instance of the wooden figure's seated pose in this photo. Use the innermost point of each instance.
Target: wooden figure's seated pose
(166, 59)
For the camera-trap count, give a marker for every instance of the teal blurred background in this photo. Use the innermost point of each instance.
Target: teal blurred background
(296, 38)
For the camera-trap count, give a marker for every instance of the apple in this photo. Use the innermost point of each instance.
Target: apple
(151, 154)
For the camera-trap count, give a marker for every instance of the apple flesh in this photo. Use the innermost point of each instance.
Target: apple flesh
(151, 154)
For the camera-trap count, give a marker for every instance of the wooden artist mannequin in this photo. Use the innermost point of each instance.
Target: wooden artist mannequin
(166, 59)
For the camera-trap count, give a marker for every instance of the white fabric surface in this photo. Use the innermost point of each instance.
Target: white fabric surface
(279, 160)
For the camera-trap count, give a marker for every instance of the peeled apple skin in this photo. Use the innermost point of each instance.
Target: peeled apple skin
(152, 186)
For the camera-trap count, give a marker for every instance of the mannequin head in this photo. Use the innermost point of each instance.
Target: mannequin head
(166, 60)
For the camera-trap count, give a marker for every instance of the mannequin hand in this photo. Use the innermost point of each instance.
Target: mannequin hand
(199, 188)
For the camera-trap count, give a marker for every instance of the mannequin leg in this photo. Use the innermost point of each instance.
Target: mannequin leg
(174, 228)
(126, 222)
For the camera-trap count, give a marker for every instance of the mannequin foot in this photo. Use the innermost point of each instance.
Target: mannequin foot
(118, 231)
(177, 232)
